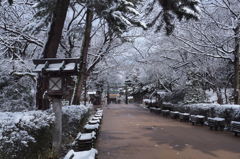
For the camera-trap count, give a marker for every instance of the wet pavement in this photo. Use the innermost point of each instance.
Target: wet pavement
(132, 132)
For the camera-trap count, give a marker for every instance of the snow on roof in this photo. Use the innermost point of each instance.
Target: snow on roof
(82, 154)
(91, 92)
(39, 68)
(69, 67)
(54, 67)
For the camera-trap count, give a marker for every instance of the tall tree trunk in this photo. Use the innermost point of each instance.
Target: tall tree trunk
(236, 65)
(219, 96)
(51, 46)
(85, 91)
(83, 58)
(55, 33)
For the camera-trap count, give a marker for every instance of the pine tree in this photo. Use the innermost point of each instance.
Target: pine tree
(171, 9)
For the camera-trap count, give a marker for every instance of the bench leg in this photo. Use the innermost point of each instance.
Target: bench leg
(222, 128)
(235, 133)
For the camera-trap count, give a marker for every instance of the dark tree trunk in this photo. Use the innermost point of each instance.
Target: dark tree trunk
(83, 58)
(50, 48)
(85, 91)
(219, 96)
(236, 65)
(55, 33)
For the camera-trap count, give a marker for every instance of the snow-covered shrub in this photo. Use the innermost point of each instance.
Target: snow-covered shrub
(73, 117)
(24, 132)
(229, 112)
(75, 112)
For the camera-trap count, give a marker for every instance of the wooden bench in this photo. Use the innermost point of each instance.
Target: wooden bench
(92, 122)
(84, 141)
(88, 128)
(165, 113)
(184, 117)
(216, 123)
(155, 110)
(197, 119)
(93, 118)
(235, 127)
(174, 114)
(90, 154)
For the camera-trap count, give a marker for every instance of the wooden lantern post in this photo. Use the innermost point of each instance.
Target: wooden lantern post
(52, 83)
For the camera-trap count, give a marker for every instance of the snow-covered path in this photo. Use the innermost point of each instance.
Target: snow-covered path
(131, 132)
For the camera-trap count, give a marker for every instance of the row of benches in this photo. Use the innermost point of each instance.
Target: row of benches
(213, 123)
(84, 143)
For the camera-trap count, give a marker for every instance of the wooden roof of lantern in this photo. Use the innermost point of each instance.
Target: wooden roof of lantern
(55, 65)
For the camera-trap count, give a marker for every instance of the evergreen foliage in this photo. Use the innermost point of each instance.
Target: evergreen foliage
(171, 9)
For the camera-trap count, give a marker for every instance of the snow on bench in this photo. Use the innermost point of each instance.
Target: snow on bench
(95, 118)
(174, 114)
(216, 123)
(184, 116)
(165, 112)
(155, 110)
(99, 111)
(91, 154)
(94, 126)
(91, 122)
(84, 141)
(98, 115)
(235, 127)
(88, 128)
(197, 119)
(86, 136)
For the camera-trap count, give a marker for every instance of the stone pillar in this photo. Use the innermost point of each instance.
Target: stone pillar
(57, 130)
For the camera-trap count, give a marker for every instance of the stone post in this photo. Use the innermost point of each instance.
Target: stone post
(57, 130)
